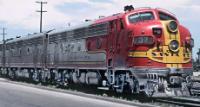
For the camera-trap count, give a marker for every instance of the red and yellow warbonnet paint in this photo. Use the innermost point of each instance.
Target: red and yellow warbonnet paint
(173, 58)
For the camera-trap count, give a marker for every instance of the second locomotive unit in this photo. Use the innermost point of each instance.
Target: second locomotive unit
(141, 50)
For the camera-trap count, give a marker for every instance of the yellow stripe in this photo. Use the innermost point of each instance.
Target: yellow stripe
(175, 59)
(137, 54)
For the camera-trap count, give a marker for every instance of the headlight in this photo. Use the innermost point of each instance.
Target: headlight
(174, 45)
(172, 26)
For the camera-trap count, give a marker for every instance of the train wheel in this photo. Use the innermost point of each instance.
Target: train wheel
(42, 76)
(11, 74)
(136, 88)
(66, 78)
(62, 79)
(119, 89)
(185, 89)
(150, 88)
(18, 74)
(120, 83)
(75, 78)
(35, 76)
(45, 76)
(52, 76)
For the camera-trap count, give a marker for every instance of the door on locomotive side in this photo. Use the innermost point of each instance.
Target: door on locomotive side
(117, 43)
(112, 42)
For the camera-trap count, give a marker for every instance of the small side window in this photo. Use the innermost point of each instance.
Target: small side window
(164, 16)
(134, 18)
(141, 17)
(146, 16)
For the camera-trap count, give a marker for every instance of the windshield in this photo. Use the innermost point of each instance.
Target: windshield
(141, 17)
(164, 16)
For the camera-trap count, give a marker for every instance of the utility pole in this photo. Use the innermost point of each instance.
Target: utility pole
(41, 12)
(4, 48)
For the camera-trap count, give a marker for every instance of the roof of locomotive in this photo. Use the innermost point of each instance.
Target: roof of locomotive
(88, 23)
(54, 31)
(85, 24)
(29, 36)
(35, 35)
(121, 15)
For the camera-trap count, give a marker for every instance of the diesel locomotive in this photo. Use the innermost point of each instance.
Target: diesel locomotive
(140, 50)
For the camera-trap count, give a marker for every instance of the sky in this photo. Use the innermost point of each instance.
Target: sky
(20, 18)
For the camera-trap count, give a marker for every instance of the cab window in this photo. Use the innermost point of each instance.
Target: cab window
(164, 16)
(141, 17)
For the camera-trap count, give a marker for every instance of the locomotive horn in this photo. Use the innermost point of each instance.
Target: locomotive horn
(128, 8)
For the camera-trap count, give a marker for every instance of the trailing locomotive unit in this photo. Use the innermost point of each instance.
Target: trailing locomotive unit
(140, 50)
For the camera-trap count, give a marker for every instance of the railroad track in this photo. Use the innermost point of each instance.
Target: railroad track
(181, 101)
